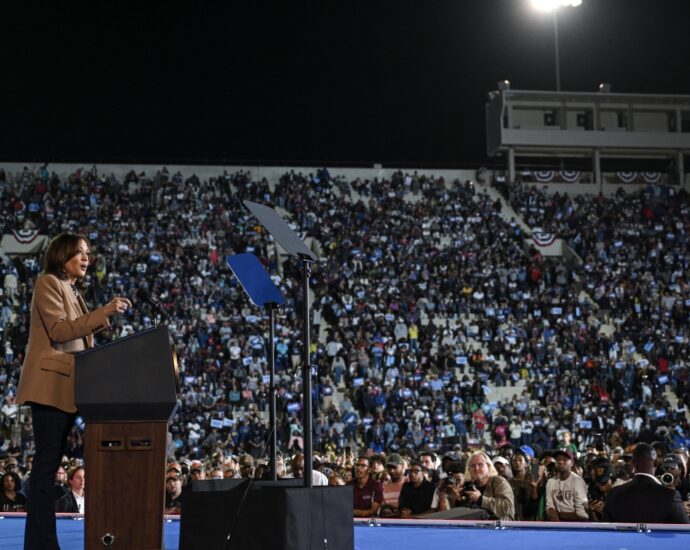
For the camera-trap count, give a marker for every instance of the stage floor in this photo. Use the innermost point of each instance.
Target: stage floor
(412, 535)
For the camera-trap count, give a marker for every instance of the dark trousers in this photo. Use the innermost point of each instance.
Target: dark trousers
(51, 427)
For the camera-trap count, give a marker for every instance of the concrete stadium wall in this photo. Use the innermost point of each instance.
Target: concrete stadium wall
(271, 173)
(585, 188)
(590, 188)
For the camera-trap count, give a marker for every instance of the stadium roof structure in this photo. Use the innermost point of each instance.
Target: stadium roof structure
(600, 124)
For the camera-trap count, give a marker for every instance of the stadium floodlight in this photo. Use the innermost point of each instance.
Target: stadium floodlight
(552, 6)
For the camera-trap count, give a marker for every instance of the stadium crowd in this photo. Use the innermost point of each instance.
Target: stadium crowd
(424, 300)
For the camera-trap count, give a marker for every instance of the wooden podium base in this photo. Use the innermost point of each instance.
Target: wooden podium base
(125, 485)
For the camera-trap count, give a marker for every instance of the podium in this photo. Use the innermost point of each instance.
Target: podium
(126, 391)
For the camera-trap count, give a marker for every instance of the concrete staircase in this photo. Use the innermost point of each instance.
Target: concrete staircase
(673, 400)
(507, 212)
(503, 394)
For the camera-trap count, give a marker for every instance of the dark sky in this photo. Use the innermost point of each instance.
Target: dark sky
(402, 83)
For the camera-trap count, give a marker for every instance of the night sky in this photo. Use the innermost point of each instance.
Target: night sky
(337, 83)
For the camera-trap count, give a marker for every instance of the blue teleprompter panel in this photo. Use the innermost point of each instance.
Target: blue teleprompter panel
(255, 280)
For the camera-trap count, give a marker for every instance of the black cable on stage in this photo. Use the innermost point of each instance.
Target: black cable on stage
(248, 485)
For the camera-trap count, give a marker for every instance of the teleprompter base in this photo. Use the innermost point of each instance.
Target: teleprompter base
(272, 517)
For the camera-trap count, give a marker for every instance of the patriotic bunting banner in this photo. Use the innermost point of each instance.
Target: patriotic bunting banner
(544, 176)
(651, 177)
(547, 176)
(573, 176)
(648, 177)
(626, 177)
(570, 176)
(542, 239)
(25, 236)
(24, 241)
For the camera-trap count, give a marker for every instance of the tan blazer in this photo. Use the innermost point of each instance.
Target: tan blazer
(61, 325)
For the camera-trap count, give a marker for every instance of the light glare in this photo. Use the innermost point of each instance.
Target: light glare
(550, 5)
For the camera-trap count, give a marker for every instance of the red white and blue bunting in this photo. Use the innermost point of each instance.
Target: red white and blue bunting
(23, 241)
(544, 176)
(570, 176)
(573, 176)
(547, 176)
(648, 177)
(543, 239)
(627, 177)
(25, 236)
(651, 177)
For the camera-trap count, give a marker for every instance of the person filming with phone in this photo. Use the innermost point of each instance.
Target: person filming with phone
(526, 473)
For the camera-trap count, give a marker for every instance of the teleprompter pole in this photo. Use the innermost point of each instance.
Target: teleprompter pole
(272, 373)
(306, 376)
(294, 246)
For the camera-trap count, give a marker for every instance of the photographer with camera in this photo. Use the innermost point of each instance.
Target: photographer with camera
(485, 489)
(450, 487)
(672, 474)
(624, 469)
(674, 469)
(602, 481)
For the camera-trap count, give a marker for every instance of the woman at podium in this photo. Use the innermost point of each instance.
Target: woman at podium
(60, 326)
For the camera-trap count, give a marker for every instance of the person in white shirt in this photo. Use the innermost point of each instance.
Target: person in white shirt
(527, 428)
(515, 432)
(318, 479)
(566, 493)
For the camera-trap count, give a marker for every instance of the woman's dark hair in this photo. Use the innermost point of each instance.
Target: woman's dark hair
(73, 472)
(15, 477)
(60, 250)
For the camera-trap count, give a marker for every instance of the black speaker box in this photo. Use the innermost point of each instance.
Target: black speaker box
(261, 515)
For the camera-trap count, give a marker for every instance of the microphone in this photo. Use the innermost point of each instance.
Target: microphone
(156, 306)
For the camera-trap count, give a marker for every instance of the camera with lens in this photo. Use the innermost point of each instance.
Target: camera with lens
(620, 469)
(468, 486)
(667, 479)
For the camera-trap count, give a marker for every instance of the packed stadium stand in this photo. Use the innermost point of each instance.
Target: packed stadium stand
(438, 324)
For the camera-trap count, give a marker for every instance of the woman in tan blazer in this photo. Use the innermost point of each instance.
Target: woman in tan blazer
(60, 326)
